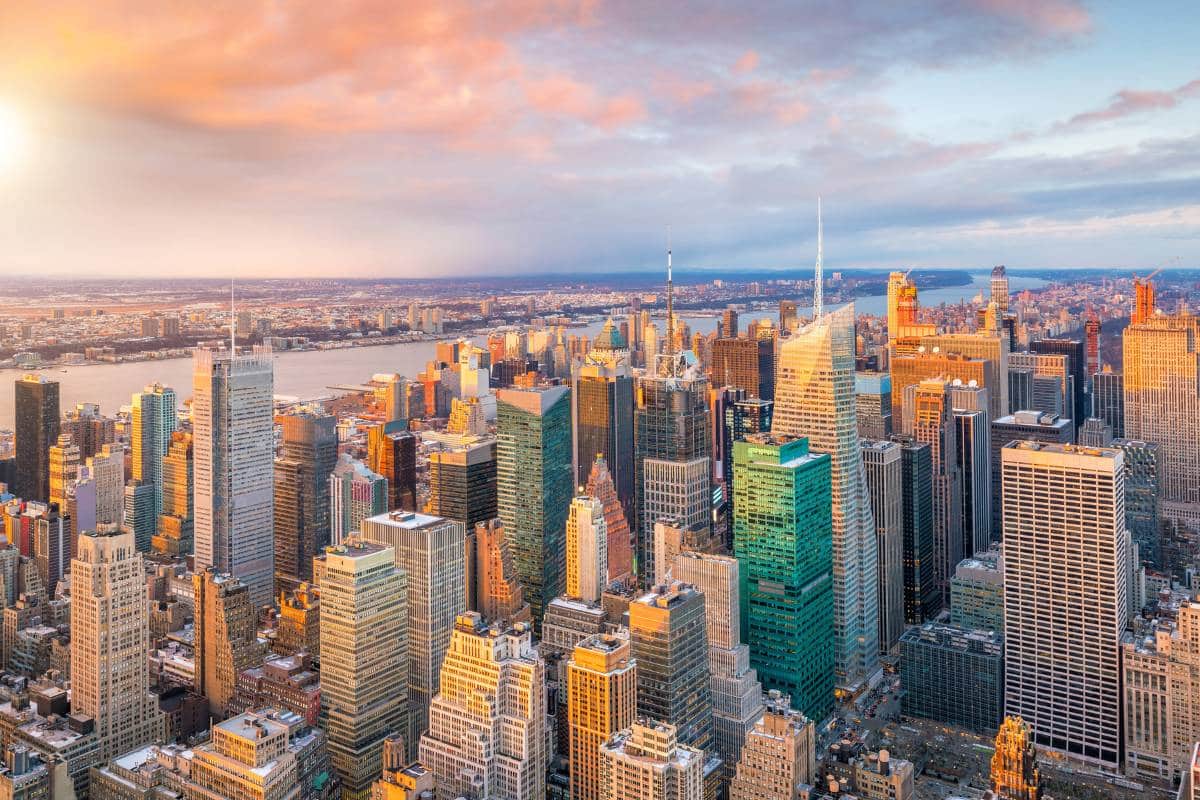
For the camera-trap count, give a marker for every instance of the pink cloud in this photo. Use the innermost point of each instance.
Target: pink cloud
(1053, 17)
(747, 63)
(1128, 102)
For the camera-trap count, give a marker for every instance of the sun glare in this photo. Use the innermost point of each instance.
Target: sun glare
(12, 139)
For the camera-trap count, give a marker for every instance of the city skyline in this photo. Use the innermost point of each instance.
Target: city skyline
(373, 141)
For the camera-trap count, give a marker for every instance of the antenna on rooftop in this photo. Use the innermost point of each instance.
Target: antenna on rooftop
(818, 285)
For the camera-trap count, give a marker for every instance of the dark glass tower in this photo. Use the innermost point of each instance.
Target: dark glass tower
(302, 523)
(921, 597)
(37, 422)
(602, 413)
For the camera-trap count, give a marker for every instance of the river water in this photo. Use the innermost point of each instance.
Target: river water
(310, 373)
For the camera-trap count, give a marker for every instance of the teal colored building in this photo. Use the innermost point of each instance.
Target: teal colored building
(534, 487)
(783, 541)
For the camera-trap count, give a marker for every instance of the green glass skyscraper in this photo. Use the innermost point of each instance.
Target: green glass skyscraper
(783, 540)
(534, 486)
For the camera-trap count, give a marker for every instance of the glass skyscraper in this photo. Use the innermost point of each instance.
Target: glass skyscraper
(535, 486)
(814, 397)
(153, 416)
(783, 540)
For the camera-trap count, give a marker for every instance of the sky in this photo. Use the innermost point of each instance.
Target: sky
(443, 137)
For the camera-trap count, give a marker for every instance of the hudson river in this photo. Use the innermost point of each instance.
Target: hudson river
(309, 373)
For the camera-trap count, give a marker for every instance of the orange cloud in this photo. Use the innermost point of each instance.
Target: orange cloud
(747, 63)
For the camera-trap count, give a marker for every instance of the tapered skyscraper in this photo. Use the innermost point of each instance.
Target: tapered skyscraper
(153, 417)
(814, 398)
(233, 437)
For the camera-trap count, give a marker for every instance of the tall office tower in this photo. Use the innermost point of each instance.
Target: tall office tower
(671, 434)
(602, 412)
(728, 327)
(51, 544)
(233, 433)
(999, 289)
(602, 692)
(1091, 329)
(1094, 433)
(1144, 304)
(1015, 775)
(466, 417)
(431, 552)
(743, 417)
(679, 492)
(63, 460)
(1142, 460)
(175, 526)
(107, 470)
(487, 726)
(152, 423)
(921, 596)
(977, 592)
(462, 483)
(1076, 355)
(901, 304)
(873, 404)
(670, 643)
(1042, 382)
(1108, 399)
(885, 482)
(649, 762)
(587, 549)
(497, 590)
(1162, 397)
(1065, 579)
(309, 451)
(393, 454)
(783, 540)
(616, 522)
(788, 320)
(779, 755)
(736, 692)
(364, 653)
(109, 640)
(138, 512)
(748, 364)
(912, 368)
(226, 637)
(535, 486)
(815, 398)
(36, 413)
(1031, 426)
(355, 493)
(973, 456)
(933, 424)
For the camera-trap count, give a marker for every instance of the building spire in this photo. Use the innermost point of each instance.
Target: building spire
(232, 322)
(818, 284)
(670, 305)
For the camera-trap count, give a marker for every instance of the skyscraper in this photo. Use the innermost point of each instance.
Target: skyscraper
(748, 364)
(667, 629)
(1076, 355)
(783, 540)
(814, 397)
(36, 413)
(226, 637)
(1108, 399)
(616, 522)
(921, 596)
(430, 551)
(1142, 461)
(487, 725)
(779, 755)
(355, 493)
(175, 526)
(462, 483)
(1022, 426)
(602, 692)
(308, 453)
(1162, 397)
(107, 471)
(1065, 594)
(534, 486)
(233, 437)
(109, 642)
(364, 653)
(602, 412)
(671, 437)
(901, 304)
(885, 481)
(873, 403)
(1015, 775)
(393, 454)
(1042, 382)
(736, 693)
(649, 762)
(497, 592)
(972, 453)
(587, 549)
(743, 417)
(153, 421)
(999, 289)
